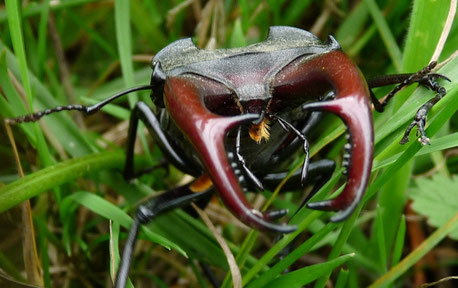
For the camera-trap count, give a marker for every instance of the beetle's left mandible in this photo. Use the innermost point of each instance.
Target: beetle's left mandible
(206, 131)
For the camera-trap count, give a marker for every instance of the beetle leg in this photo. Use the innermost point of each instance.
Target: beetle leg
(425, 78)
(162, 164)
(312, 120)
(143, 112)
(242, 163)
(206, 131)
(288, 126)
(172, 199)
(318, 170)
(210, 275)
(420, 117)
(291, 146)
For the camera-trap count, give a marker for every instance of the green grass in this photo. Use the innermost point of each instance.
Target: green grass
(81, 204)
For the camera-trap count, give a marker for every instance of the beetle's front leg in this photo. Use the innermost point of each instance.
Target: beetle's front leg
(420, 117)
(242, 163)
(206, 131)
(319, 172)
(143, 112)
(425, 78)
(287, 127)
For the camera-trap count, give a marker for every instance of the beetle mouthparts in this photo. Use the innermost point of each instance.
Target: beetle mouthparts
(260, 131)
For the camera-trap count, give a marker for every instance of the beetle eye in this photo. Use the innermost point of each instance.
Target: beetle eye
(158, 74)
(157, 81)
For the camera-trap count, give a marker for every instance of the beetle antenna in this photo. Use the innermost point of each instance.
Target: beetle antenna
(87, 110)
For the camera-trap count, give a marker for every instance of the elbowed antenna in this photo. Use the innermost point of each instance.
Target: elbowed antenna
(87, 110)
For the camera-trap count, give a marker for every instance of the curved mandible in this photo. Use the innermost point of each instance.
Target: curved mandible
(335, 70)
(206, 132)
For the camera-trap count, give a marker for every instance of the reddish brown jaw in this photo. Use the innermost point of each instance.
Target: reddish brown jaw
(349, 109)
(206, 131)
(352, 106)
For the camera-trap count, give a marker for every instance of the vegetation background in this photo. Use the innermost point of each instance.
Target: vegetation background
(81, 51)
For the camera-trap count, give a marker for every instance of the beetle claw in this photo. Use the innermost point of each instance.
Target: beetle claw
(438, 75)
(429, 81)
(305, 165)
(325, 205)
(276, 214)
(262, 221)
(329, 205)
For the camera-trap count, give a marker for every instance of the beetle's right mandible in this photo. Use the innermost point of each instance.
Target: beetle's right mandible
(352, 104)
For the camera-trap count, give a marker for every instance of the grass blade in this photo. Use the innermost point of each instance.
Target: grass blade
(55, 175)
(303, 276)
(108, 210)
(418, 253)
(278, 268)
(385, 32)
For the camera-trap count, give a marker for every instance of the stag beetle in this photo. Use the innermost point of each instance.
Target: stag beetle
(225, 115)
